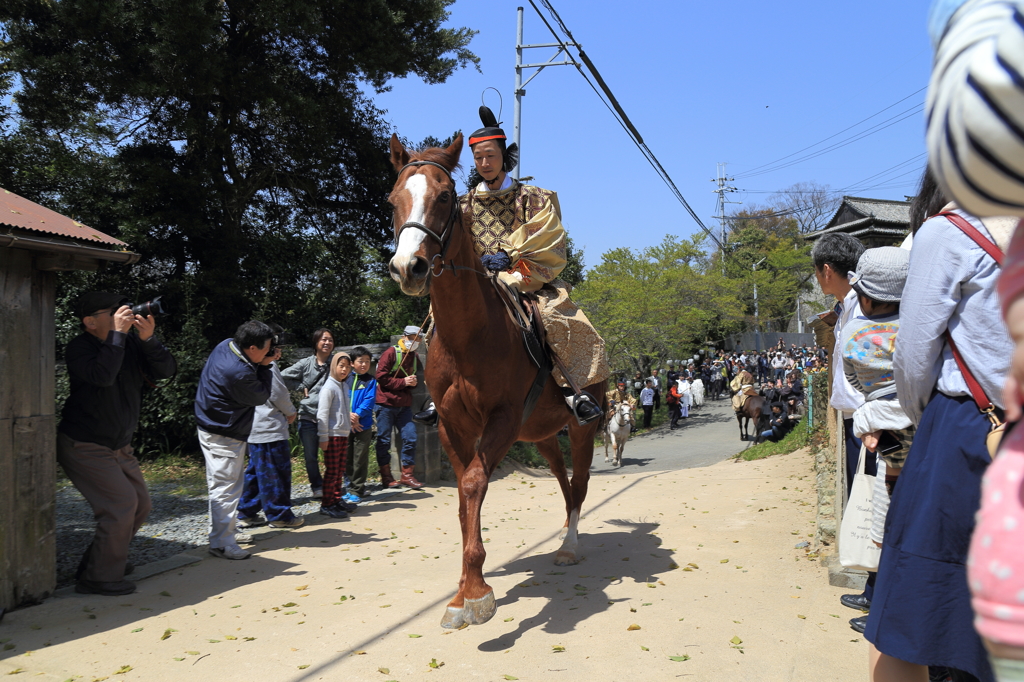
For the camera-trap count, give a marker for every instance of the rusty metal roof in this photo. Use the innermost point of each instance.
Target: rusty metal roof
(16, 211)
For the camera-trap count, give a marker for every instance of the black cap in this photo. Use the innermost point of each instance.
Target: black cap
(490, 131)
(92, 301)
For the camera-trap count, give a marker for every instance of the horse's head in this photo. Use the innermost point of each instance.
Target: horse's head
(426, 210)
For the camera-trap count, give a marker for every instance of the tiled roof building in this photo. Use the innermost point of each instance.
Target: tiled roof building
(876, 222)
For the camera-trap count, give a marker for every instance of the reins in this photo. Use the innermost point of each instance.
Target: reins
(438, 264)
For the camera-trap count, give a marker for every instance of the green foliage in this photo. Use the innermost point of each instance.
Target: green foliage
(527, 454)
(232, 145)
(662, 301)
(786, 269)
(798, 438)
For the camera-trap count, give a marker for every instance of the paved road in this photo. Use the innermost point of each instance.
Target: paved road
(709, 435)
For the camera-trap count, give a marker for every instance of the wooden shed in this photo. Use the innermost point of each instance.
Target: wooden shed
(35, 243)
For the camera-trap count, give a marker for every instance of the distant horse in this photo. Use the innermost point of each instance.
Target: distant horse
(616, 431)
(478, 371)
(753, 409)
(697, 391)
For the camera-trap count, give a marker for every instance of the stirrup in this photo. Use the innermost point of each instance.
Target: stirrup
(584, 408)
(427, 417)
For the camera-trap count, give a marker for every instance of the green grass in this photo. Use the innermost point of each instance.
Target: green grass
(794, 440)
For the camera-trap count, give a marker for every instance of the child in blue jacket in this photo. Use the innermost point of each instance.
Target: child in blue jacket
(362, 388)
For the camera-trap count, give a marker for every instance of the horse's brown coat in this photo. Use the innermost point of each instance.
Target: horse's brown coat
(479, 375)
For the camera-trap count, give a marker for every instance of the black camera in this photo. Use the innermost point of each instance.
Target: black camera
(280, 340)
(154, 307)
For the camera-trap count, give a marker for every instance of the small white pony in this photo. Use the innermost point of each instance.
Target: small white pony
(616, 431)
(697, 392)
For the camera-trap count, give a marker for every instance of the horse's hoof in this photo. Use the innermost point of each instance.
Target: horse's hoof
(453, 619)
(566, 558)
(479, 611)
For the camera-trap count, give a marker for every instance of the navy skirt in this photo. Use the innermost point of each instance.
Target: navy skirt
(921, 610)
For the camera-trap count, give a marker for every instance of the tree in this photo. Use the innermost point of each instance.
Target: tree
(760, 236)
(241, 142)
(812, 205)
(664, 301)
(230, 143)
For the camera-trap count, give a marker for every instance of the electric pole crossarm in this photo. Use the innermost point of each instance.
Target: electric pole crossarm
(540, 67)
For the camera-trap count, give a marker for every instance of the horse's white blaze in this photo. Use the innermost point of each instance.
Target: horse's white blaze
(409, 241)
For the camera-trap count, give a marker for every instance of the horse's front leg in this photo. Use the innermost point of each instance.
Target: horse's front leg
(607, 438)
(474, 603)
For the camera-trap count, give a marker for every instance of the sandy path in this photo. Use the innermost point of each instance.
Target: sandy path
(361, 597)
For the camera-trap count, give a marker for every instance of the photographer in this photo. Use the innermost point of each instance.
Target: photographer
(235, 380)
(107, 366)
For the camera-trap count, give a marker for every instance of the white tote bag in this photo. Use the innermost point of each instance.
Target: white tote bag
(856, 550)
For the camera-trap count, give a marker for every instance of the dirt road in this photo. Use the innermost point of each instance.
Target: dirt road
(363, 599)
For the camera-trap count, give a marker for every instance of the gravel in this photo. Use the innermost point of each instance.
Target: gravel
(176, 524)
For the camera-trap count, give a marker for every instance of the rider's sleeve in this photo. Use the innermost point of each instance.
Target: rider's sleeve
(537, 248)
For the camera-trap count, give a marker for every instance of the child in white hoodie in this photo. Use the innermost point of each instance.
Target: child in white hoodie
(333, 426)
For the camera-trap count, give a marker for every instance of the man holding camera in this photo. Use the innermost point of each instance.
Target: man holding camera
(107, 366)
(236, 379)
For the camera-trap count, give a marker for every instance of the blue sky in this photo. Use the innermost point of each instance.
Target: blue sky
(741, 82)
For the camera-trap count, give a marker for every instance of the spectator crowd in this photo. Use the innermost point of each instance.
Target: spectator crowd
(923, 348)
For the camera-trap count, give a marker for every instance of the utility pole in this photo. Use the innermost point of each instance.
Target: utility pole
(517, 112)
(721, 191)
(757, 313)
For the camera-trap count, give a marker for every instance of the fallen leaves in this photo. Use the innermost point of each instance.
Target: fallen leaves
(557, 649)
(679, 659)
(633, 627)
(434, 663)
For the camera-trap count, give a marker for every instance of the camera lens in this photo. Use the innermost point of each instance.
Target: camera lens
(153, 307)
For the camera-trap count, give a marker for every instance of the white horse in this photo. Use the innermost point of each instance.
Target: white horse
(616, 431)
(697, 392)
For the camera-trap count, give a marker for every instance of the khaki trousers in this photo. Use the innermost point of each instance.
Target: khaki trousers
(112, 483)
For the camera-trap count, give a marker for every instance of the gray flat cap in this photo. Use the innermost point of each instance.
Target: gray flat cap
(881, 273)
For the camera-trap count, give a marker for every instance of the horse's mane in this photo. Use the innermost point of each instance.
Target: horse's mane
(436, 155)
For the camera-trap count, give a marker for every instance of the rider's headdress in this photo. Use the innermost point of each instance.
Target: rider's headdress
(491, 131)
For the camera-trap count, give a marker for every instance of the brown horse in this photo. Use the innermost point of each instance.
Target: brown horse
(753, 408)
(477, 370)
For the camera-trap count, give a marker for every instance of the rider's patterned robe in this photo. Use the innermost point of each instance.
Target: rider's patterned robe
(525, 222)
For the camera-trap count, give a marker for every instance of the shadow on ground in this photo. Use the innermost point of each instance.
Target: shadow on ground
(569, 595)
(100, 614)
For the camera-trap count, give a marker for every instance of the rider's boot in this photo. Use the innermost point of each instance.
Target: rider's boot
(427, 417)
(582, 405)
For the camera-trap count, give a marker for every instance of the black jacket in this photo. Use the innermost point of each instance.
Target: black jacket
(106, 385)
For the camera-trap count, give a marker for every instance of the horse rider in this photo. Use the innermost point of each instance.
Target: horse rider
(619, 394)
(742, 386)
(518, 234)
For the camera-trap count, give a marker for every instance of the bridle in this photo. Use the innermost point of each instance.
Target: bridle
(438, 263)
(620, 417)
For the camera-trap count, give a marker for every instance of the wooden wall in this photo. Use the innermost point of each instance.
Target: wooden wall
(27, 430)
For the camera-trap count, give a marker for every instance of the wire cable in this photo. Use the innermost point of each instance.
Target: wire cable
(771, 163)
(612, 104)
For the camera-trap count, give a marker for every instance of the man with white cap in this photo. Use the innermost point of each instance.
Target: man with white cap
(396, 378)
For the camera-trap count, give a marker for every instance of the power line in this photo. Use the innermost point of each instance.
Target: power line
(878, 127)
(772, 163)
(891, 168)
(612, 104)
